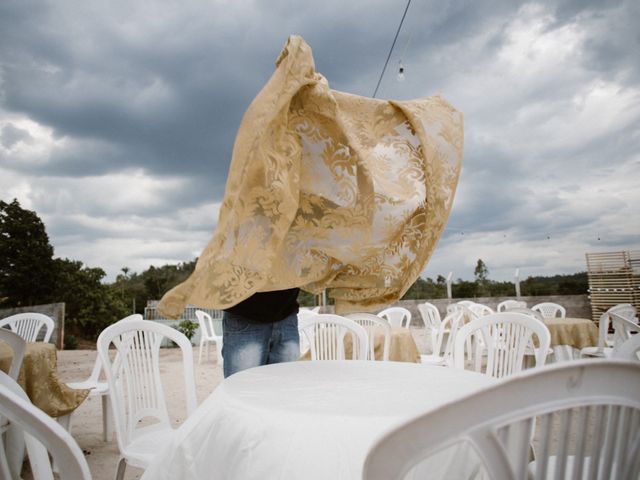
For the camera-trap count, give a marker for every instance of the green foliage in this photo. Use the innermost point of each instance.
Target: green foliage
(90, 305)
(70, 342)
(426, 288)
(27, 271)
(187, 328)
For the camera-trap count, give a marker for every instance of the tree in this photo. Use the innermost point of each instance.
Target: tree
(27, 269)
(90, 305)
(481, 273)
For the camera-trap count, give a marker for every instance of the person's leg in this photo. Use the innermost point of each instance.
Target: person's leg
(244, 344)
(285, 341)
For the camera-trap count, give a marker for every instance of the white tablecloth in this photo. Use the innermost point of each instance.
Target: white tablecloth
(311, 420)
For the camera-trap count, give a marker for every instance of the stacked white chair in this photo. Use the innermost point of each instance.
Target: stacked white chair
(99, 388)
(445, 336)
(504, 339)
(42, 435)
(481, 310)
(509, 304)
(325, 334)
(208, 335)
(396, 316)
(28, 325)
(373, 325)
(594, 405)
(136, 391)
(605, 347)
(550, 310)
(628, 350)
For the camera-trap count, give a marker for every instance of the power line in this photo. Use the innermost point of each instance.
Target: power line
(391, 49)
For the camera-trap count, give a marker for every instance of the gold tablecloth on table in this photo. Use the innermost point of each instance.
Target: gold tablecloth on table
(576, 332)
(402, 346)
(39, 378)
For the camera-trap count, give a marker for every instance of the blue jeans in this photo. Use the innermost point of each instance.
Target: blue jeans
(246, 344)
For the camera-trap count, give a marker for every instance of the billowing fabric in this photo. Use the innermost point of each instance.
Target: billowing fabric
(328, 190)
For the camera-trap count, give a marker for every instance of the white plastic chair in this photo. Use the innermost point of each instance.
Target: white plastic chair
(396, 316)
(603, 349)
(623, 328)
(135, 387)
(628, 350)
(625, 310)
(28, 325)
(41, 434)
(481, 310)
(509, 304)
(325, 334)
(208, 335)
(446, 330)
(18, 346)
(595, 403)
(432, 323)
(504, 337)
(99, 388)
(374, 324)
(550, 310)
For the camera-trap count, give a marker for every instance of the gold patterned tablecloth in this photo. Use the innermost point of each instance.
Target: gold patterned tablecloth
(576, 332)
(39, 378)
(402, 346)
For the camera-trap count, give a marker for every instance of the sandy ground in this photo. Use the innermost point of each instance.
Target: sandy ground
(102, 457)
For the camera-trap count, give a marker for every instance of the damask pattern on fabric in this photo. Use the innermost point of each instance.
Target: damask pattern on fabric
(328, 190)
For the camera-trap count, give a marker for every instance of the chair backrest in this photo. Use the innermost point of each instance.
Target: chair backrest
(625, 310)
(430, 315)
(505, 337)
(623, 328)
(206, 325)
(135, 386)
(28, 325)
(451, 324)
(42, 433)
(325, 334)
(372, 325)
(628, 350)
(481, 310)
(526, 311)
(509, 304)
(396, 316)
(18, 346)
(595, 403)
(550, 310)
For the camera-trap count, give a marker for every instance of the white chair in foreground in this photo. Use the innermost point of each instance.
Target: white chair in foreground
(17, 346)
(599, 401)
(505, 338)
(603, 349)
(99, 388)
(509, 304)
(42, 434)
(208, 335)
(396, 316)
(374, 324)
(550, 310)
(142, 422)
(28, 325)
(325, 334)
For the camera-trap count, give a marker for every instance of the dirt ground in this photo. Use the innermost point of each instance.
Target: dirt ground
(102, 457)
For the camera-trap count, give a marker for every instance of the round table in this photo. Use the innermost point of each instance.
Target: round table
(312, 420)
(39, 378)
(402, 346)
(575, 332)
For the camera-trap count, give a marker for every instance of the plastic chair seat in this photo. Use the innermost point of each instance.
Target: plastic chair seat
(146, 444)
(100, 388)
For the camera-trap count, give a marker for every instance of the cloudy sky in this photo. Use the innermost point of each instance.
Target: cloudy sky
(117, 118)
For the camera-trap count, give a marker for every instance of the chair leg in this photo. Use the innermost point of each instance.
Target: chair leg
(107, 422)
(122, 465)
(200, 353)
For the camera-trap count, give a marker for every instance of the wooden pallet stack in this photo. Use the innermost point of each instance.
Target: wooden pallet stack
(614, 278)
